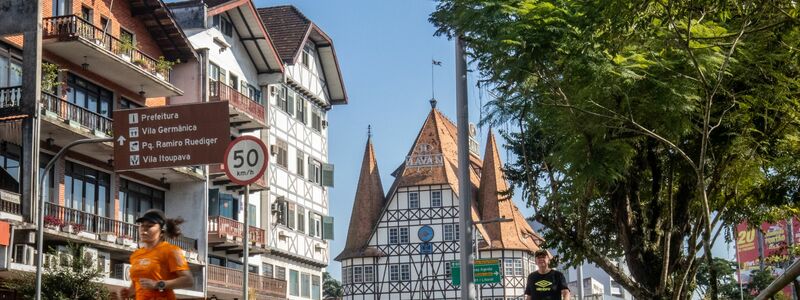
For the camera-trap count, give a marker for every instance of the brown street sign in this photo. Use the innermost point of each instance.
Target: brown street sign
(171, 136)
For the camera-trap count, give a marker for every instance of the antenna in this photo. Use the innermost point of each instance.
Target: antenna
(433, 83)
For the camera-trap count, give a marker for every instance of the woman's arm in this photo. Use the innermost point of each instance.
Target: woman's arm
(184, 280)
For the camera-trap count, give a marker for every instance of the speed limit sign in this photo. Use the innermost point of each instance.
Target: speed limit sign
(245, 160)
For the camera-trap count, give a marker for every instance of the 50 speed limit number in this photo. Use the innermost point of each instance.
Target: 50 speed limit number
(245, 160)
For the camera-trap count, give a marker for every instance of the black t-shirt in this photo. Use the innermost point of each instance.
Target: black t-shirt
(546, 286)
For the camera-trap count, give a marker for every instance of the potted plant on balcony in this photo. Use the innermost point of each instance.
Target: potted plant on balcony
(163, 66)
(53, 222)
(140, 62)
(126, 46)
(81, 231)
(50, 77)
(126, 240)
(72, 228)
(108, 237)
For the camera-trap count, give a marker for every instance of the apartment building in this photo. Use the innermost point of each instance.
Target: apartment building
(99, 56)
(300, 174)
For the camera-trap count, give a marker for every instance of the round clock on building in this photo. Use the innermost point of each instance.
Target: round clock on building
(425, 233)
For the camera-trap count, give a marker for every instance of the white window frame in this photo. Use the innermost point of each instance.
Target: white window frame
(405, 272)
(394, 272)
(404, 235)
(358, 274)
(369, 274)
(413, 200)
(518, 269)
(436, 201)
(394, 236)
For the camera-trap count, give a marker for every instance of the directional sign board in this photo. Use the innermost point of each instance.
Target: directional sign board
(485, 271)
(245, 160)
(170, 136)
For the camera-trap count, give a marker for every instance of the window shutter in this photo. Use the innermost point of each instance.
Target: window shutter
(290, 216)
(327, 175)
(290, 104)
(311, 229)
(327, 228)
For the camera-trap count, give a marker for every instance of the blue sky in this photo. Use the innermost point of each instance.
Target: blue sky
(385, 54)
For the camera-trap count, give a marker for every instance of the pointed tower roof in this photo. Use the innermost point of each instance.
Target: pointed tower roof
(367, 206)
(494, 204)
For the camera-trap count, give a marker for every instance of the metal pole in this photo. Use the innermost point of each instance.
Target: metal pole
(580, 282)
(782, 281)
(40, 205)
(246, 241)
(464, 185)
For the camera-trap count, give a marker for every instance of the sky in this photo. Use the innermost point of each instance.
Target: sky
(385, 51)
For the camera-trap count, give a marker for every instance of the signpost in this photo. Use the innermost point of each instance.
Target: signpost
(245, 162)
(486, 271)
(170, 136)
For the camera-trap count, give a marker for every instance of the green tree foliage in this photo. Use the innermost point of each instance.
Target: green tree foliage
(331, 288)
(642, 128)
(75, 279)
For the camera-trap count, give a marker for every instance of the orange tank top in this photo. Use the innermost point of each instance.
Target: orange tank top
(162, 262)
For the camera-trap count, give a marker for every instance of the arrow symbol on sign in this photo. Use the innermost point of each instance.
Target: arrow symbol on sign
(121, 140)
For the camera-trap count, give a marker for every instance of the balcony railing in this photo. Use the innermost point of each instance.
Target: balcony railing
(232, 279)
(222, 92)
(10, 97)
(90, 222)
(223, 226)
(10, 202)
(185, 243)
(72, 112)
(71, 27)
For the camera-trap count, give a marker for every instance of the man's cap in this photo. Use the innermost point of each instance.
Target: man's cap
(540, 252)
(153, 215)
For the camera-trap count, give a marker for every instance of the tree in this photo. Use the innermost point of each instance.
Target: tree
(642, 129)
(726, 278)
(331, 288)
(76, 277)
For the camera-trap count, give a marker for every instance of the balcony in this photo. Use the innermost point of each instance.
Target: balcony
(89, 225)
(10, 98)
(227, 235)
(226, 282)
(80, 42)
(75, 115)
(245, 113)
(10, 205)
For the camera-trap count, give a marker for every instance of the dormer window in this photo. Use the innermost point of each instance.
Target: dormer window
(305, 57)
(223, 24)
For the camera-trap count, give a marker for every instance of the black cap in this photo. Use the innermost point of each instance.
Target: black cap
(153, 215)
(540, 252)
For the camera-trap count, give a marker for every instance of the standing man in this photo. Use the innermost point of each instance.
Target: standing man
(546, 283)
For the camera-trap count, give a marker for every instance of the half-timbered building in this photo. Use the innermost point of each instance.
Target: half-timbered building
(401, 245)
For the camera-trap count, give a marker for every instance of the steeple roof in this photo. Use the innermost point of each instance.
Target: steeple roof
(495, 204)
(369, 202)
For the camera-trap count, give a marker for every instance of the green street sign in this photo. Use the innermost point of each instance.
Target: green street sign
(485, 271)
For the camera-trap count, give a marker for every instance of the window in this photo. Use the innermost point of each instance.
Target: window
(301, 163)
(450, 232)
(301, 109)
(358, 274)
(290, 214)
(223, 204)
(62, 7)
(283, 99)
(316, 119)
(87, 14)
(301, 219)
(345, 275)
(316, 287)
(394, 273)
(413, 200)
(305, 59)
(253, 92)
(127, 104)
(10, 156)
(280, 273)
(223, 24)
(508, 265)
(447, 268)
(10, 71)
(305, 288)
(314, 171)
(91, 97)
(393, 236)
(232, 264)
(127, 37)
(317, 225)
(136, 198)
(268, 271)
(283, 153)
(104, 24)
(234, 82)
(252, 215)
(518, 271)
(87, 190)
(405, 272)
(404, 235)
(252, 269)
(216, 261)
(436, 198)
(311, 228)
(294, 283)
(369, 275)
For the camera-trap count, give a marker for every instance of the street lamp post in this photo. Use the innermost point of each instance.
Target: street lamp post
(475, 239)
